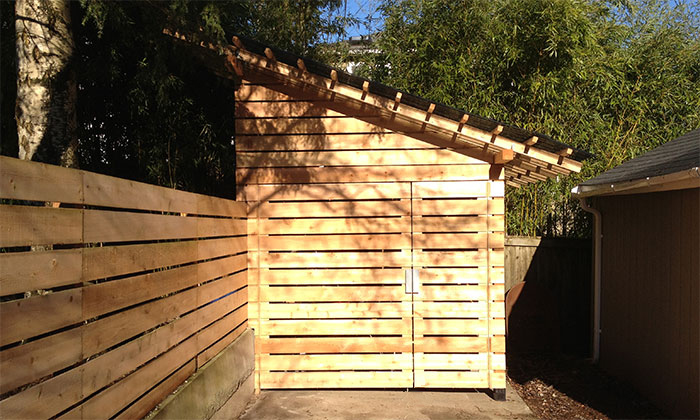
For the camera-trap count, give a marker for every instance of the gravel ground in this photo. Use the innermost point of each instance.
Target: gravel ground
(565, 387)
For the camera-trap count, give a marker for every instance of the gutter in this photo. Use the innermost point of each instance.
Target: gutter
(689, 178)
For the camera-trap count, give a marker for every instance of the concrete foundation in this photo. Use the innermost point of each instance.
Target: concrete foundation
(220, 389)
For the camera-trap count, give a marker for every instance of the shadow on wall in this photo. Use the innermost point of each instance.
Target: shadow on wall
(532, 319)
(548, 283)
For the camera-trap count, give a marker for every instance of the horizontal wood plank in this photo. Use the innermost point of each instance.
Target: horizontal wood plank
(24, 364)
(450, 326)
(451, 361)
(25, 318)
(113, 226)
(335, 242)
(46, 399)
(34, 181)
(228, 338)
(308, 142)
(328, 226)
(113, 399)
(336, 209)
(142, 406)
(330, 276)
(451, 240)
(34, 270)
(33, 225)
(428, 309)
(347, 379)
(361, 174)
(352, 158)
(335, 259)
(336, 345)
(335, 310)
(336, 361)
(102, 190)
(451, 224)
(464, 207)
(450, 258)
(452, 189)
(331, 294)
(460, 292)
(431, 379)
(277, 109)
(358, 191)
(108, 261)
(442, 344)
(335, 327)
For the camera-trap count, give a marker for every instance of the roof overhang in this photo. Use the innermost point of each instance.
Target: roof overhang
(523, 162)
(689, 178)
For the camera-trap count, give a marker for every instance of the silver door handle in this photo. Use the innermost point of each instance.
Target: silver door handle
(412, 281)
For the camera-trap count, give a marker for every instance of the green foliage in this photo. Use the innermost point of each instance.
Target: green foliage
(614, 78)
(147, 111)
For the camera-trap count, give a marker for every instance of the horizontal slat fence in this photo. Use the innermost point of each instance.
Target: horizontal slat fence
(113, 292)
(339, 208)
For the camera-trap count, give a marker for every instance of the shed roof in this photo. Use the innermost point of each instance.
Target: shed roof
(663, 167)
(527, 156)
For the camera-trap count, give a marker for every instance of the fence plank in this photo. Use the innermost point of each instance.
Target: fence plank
(30, 225)
(24, 318)
(110, 401)
(158, 293)
(33, 181)
(44, 400)
(29, 362)
(106, 297)
(147, 402)
(28, 271)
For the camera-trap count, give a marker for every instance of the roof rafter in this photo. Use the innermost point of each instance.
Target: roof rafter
(490, 146)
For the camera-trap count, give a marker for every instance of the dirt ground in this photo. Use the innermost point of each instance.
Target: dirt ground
(566, 387)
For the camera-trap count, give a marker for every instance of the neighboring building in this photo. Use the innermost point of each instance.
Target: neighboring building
(648, 272)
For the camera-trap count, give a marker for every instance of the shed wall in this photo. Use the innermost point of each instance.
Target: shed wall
(650, 295)
(339, 209)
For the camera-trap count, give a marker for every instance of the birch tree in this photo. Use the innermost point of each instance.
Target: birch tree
(46, 86)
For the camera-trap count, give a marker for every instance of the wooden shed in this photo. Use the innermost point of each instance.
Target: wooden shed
(376, 223)
(648, 273)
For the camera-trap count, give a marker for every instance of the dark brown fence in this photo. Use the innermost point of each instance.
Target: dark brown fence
(113, 292)
(560, 269)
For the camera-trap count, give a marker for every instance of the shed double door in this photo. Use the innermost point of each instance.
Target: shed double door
(332, 308)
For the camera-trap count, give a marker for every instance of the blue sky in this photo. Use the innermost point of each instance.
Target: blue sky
(366, 11)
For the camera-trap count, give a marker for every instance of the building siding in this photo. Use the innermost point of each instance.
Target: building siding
(650, 295)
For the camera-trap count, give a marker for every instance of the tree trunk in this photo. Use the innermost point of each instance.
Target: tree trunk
(46, 86)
